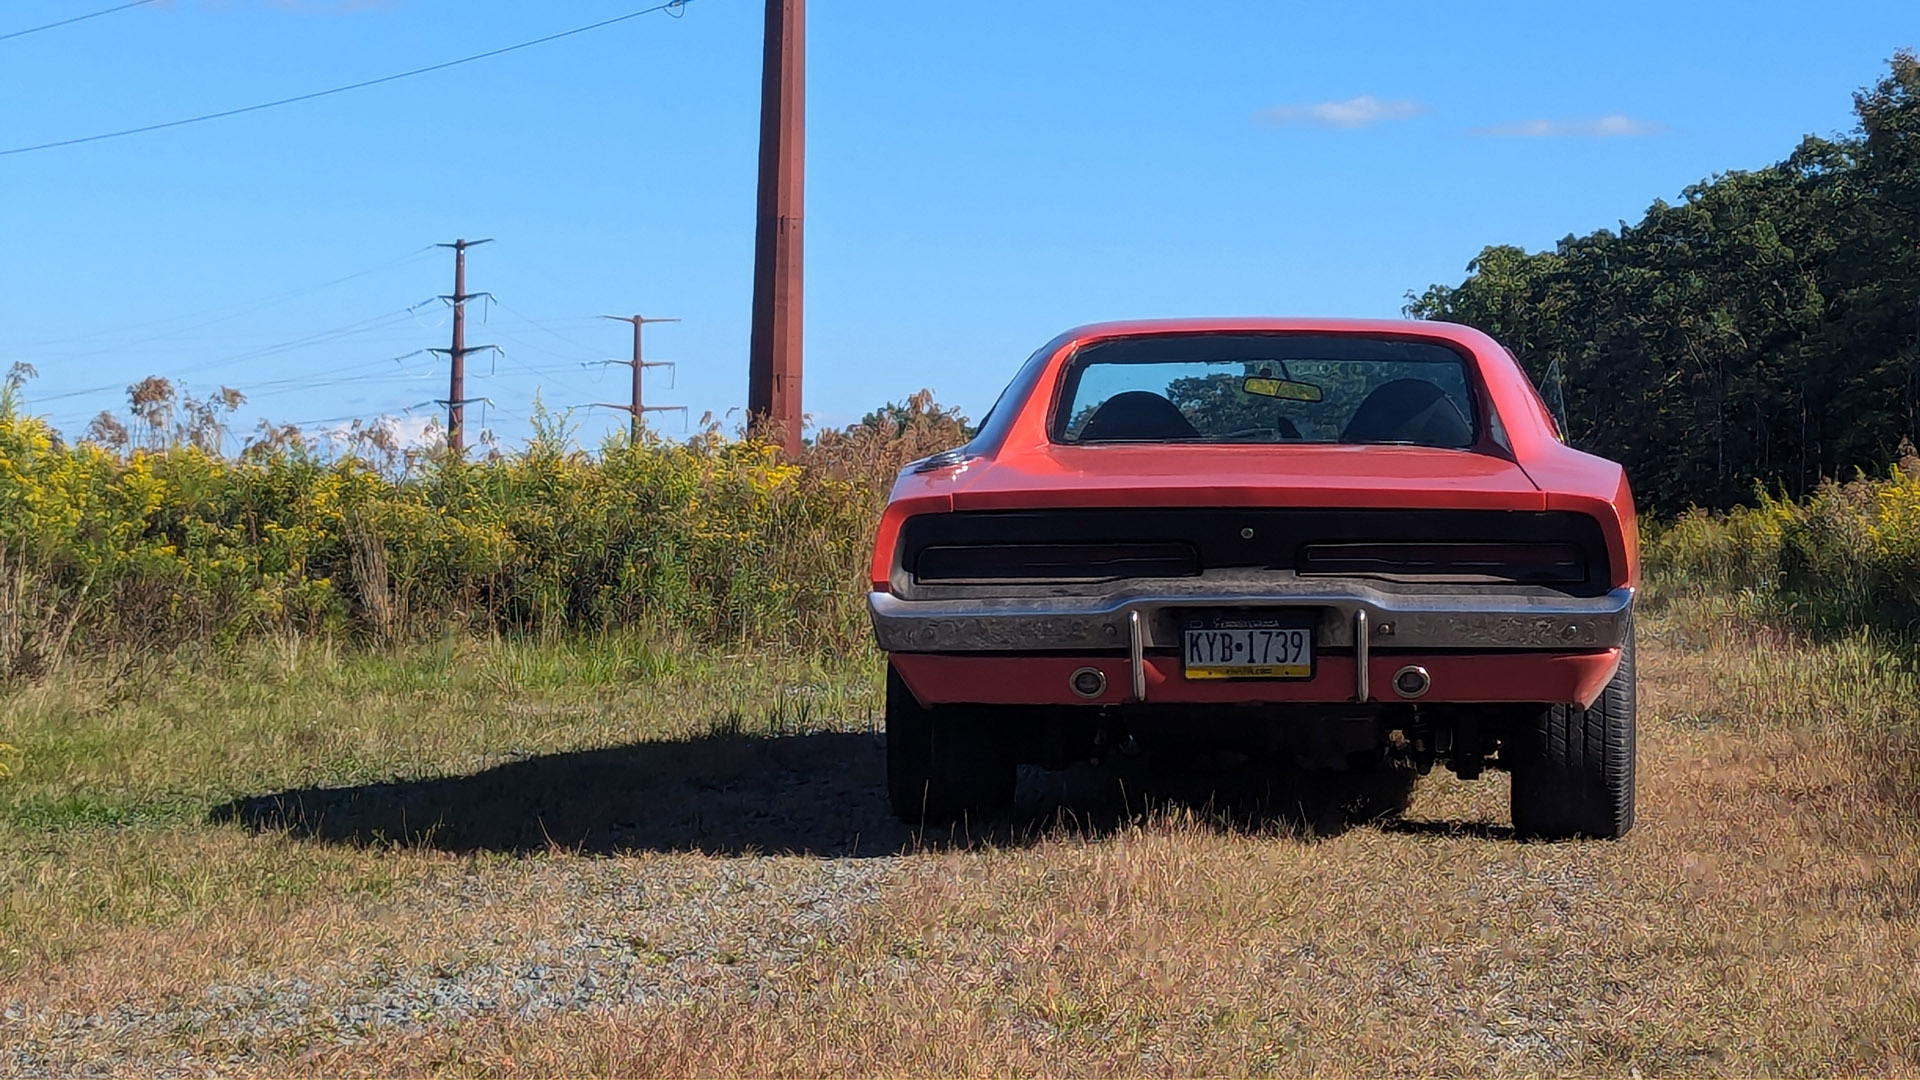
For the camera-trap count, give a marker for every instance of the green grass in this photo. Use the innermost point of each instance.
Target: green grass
(313, 815)
(161, 745)
(105, 817)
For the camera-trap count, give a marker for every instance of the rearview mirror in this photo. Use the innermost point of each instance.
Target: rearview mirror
(1286, 389)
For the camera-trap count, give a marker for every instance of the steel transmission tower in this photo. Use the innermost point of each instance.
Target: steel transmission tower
(457, 398)
(636, 406)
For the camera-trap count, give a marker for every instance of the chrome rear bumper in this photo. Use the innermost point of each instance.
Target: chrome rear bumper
(1144, 614)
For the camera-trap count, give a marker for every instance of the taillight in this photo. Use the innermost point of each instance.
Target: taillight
(980, 564)
(1520, 563)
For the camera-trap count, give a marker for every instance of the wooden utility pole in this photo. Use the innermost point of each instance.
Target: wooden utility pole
(457, 399)
(773, 370)
(636, 406)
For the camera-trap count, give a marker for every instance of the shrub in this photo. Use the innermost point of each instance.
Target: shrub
(1846, 555)
(722, 539)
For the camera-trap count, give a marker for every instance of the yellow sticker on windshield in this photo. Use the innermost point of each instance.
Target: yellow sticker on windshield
(1279, 388)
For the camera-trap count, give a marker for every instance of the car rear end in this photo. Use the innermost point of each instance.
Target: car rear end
(1335, 604)
(1252, 605)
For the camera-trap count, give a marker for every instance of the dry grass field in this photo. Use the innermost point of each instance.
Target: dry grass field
(506, 859)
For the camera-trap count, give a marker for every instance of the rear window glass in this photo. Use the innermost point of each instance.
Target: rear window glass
(1266, 388)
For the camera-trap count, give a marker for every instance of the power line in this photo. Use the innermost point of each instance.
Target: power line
(389, 321)
(530, 346)
(552, 373)
(403, 410)
(75, 19)
(219, 314)
(354, 329)
(674, 6)
(337, 375)
(556, 335)
(365, 326)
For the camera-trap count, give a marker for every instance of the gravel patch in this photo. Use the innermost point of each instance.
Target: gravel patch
(608, 933)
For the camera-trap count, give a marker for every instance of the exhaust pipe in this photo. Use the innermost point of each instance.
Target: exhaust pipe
(1088, 682)
(1412, 681)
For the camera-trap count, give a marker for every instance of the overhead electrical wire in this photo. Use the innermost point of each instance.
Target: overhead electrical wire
(403, 410)
(363, 372)
(596, 353)
(388, 321)
(261, 393)
(551, 376)
(277, 387)
(336, 375)
(570, 364)
(74, 19)
(363, 326)
(674, 6)
(497, 331)
(596, 367)
(216, 315)
(260, 353)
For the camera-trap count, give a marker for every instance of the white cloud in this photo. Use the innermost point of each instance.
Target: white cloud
(413, 431)
(1353, 113)
(1606, 127)
(406, 432)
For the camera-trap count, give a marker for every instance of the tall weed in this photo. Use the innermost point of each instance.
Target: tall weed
(1846, 556)
(146, 545)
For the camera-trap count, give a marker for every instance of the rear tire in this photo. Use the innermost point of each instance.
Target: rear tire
(1573, 768)
(951, 763)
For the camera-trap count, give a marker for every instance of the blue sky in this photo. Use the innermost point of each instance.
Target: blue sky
(980, 177)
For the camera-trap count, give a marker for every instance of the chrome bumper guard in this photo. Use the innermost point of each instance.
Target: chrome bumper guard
(1148, 614)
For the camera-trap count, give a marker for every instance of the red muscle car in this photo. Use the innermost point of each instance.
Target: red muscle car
(1343, 544)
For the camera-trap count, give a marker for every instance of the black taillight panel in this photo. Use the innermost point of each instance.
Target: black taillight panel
(1563, 551)
(1519, 562)
(1024, 563)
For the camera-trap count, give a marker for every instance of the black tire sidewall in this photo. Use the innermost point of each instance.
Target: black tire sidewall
(1574, 769)
(945, 763)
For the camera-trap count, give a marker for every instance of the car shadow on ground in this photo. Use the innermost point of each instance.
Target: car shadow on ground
(820, 794)
(1478, 830)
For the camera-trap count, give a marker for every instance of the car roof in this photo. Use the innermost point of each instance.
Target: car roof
(1461, 335)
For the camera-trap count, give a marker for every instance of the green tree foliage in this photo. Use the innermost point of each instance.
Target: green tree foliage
(919, 413)
(1760, 333)
(1216, 404)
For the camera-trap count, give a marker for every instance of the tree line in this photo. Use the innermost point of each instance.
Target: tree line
(1763, 333)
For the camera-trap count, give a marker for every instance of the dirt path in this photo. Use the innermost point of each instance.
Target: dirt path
(1760, 920)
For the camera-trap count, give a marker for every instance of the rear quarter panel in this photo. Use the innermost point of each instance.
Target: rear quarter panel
(1570, 479)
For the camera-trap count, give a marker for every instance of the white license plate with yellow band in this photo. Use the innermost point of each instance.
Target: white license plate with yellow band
(1248, 648)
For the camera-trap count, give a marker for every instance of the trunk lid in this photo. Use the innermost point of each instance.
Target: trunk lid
(1141, 475)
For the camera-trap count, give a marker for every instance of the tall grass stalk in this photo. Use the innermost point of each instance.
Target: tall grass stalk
(139, 546)
(1846, 556)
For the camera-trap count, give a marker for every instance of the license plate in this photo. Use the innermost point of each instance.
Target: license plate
(1248, 649)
